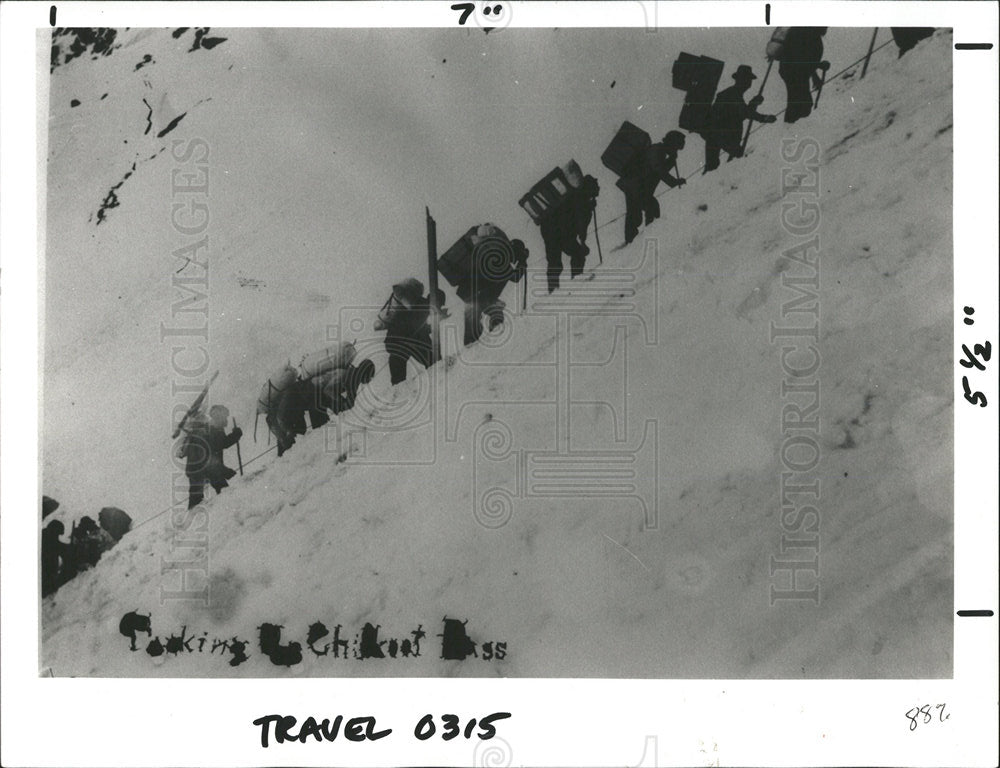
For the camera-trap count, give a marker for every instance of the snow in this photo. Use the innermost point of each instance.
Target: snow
(377, 521)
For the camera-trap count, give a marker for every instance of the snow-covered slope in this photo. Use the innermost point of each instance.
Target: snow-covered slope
(383, 521)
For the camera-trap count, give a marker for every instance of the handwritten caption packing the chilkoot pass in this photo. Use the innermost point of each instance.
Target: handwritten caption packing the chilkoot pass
(320, 641)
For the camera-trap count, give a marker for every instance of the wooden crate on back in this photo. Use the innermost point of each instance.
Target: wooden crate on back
(549, 194)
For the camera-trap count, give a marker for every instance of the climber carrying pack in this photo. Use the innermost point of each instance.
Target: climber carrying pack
(641, 166)
(799, 53)
(698, 77)
(479, 265)
(405, 318)
(563, 204)
(325, 380)
(290, 392)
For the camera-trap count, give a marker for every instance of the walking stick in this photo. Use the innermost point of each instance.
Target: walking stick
(746, 136)
(524, 293)
(270, 386)
(819, 91)
(239, 458)
(597, 236)
(871, 47)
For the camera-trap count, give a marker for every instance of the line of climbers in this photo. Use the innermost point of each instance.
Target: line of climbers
(484, 260)
(481, 264)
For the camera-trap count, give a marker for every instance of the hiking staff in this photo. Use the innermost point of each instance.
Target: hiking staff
(871, 48)
(822, 82)
(179, 503)
(194, 407)
(70, 566)
(239, 457)
(432, 274)
(597, 236)
(760, 92)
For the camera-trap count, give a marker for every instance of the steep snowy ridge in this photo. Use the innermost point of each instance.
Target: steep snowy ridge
(379, 524)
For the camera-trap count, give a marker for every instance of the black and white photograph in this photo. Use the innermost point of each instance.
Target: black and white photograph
(622, 352)
(718, 444)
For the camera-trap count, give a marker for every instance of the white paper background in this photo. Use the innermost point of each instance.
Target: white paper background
(563, 722)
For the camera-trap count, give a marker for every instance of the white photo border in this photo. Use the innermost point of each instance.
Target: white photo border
(558, 722)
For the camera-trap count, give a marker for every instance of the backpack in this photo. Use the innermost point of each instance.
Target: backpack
(482, 256)
(327, 359)
(551, 192)
(628, 145)
(115, 521)
(277, 382)
(698, 77)
(776, 45)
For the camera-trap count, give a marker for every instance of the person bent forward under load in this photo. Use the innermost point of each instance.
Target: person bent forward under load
(565, 231)
(640, 180)
(338, 389)
(505, 264)
(334, 391)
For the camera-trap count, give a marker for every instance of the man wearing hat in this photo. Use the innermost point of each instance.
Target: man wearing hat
(406, 321)
(725, 124)
(639, 182)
